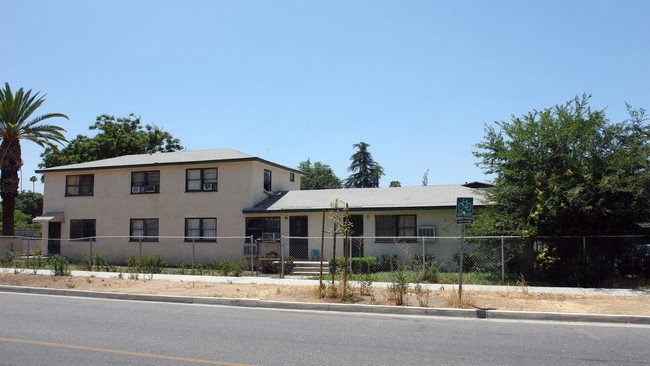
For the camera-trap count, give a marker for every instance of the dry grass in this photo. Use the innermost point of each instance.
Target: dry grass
(514, 298)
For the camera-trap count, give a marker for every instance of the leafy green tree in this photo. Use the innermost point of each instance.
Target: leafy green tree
(17, 123)
(318, 176)
(365, 170)
(116, 137)
(566, 170)
(395, 183)
(30, 203)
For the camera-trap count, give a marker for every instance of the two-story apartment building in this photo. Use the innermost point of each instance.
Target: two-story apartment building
(208, 204)
(166, 199)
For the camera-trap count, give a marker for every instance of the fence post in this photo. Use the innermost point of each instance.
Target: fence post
(193, 254)
(90, 250)
(282, 256)
(424, 260)
(503, 263)
(584, 246)
(28, 252)
(140, 254)
(460, 267)
(252, 250)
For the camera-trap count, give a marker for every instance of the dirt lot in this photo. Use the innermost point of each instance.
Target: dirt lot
(515, 299)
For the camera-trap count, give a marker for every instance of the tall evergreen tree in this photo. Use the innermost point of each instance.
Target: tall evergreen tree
(365, 170)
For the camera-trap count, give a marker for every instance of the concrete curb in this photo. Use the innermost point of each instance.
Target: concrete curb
(352, 308)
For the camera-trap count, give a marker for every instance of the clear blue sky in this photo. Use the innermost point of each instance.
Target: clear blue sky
(291, 80)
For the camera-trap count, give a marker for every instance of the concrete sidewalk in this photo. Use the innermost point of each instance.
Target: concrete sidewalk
(307, 282)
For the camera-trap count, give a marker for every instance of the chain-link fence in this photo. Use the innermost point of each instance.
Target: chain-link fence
(550, 261)
(604, 261)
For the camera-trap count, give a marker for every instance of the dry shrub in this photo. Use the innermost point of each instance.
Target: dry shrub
(451, 299)
(422, 295)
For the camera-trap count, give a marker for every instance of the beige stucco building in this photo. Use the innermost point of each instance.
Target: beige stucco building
(206, 205)
(163, 199)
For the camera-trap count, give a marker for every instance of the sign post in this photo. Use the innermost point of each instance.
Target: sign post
(464, 215)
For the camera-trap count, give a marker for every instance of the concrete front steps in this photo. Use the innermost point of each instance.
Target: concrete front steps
(308, 268)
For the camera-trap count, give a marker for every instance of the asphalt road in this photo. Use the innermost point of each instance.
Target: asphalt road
(50, 330)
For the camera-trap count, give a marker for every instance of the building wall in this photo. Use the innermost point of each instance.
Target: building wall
(442, 247)
(240, 185)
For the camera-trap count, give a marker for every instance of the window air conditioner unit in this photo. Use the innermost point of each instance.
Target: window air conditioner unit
(209, 186)
(137, 189)
(151, 189)
(270, 237)
(427, 231)
(250, 249)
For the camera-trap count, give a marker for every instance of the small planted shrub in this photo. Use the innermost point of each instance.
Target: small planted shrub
(224, 267)
(399, 286)
(364, 265)
(10, 259)
(99, 261)
(239, 267)
(150, 263)
(61, 266)
(153, 263)
(335, 264)
(389, 262)
(431, 274)
(270, 263)
(417, 260)
(83, 260)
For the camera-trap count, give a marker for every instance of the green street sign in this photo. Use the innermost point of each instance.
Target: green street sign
(464, 221)
(464, 207)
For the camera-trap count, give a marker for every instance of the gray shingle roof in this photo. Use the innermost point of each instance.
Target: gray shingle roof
(161, 159)
(371, 198)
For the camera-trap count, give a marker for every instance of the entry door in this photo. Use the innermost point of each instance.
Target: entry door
(355, 235)
(54, 234)
(298, 247)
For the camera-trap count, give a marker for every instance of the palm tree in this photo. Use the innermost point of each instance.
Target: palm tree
(33, 179)
(15, 110)
(366, 171)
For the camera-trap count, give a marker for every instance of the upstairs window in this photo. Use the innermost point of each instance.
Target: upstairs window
(267, 180)
(79, 185)
(201, 229)
(395, 226)
(145, 182)
(292, 177)
(147, 229)
(201, 180)
(82, 229)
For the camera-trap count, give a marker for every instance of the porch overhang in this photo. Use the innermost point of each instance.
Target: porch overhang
(49, 217)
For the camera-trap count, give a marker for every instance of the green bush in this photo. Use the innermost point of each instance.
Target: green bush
(417, 260)
(150, 263)
(389, 262)
(10, 259)
(61, 266)
(239, 267)
(83, 260)
(364, 265)
(224, 267)
(99, 261)
(336, 264)
(430, 273)
(469, 262)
